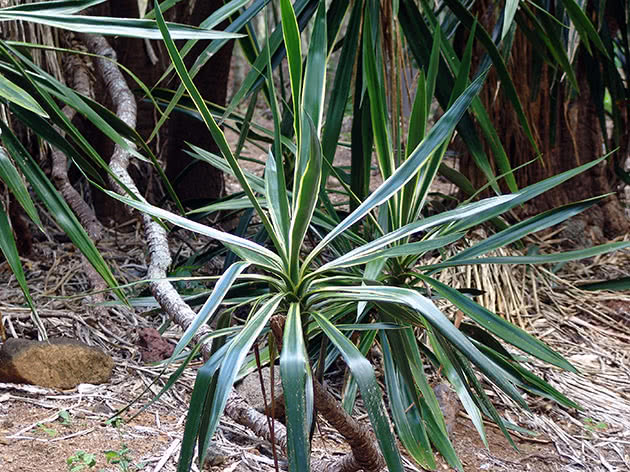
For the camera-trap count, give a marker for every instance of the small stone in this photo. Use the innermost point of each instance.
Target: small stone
(153, 346)
(61, 363)
(250, 389)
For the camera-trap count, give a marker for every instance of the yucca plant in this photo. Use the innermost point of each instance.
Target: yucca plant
(374, 283)
(365, 274)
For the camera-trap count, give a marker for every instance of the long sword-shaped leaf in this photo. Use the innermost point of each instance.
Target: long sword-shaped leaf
(11, 178)
(305, 198)
(234, 357)
(278, 202)
(408, 421)
(370, 392)
(9, 249)
(315, 72)
(57, 206)
(464, 212)
(201, 390)
(214, 46)
(522, 229)
(484, 38)
(500, 327)
(508, 16)
(536, 259)
(19, 96)
(584, 26)
(298, 391)
(217, 133)
(622, 283)
(442, 129)
(255, 253)
(209, 308)
(341, 88)
(54, 6)
(429, 312)
(275, 183)
(526, 194)
(373, 78)
(409, 249)
(129, 27)
(291, 34)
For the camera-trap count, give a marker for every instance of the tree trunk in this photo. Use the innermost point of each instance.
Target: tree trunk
(566, 130)
(194, 179)
(148, 60)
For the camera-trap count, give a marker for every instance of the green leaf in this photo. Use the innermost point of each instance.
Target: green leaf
(217, 133)
(407, 249)
(370, 392)
(315, 73)
(442, 129)
(373, 77)
(407, 419)
(201, 390)
(622, 283)
(234, 357)
(536, 259)
(213, 302)
(508, 16)
(278, 202)
(58, 207)
(499, 326)
(129, 27)
(463, 213)
(53, 6)
(526, 194)
(341, 87)
(19, 96)
(434, 316)
(249, 250)
(507, 84)
(292, 43)
(239, 23)
(584, 27)
(297, 384)
(9, 249)
(305, 198)
(522, 229)
(11, 178)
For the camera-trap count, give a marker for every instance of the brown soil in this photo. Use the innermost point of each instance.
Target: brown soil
(35, 438)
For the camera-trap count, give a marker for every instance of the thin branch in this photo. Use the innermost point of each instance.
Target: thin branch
(81, 82)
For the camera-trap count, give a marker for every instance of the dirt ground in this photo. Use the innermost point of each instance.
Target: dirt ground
(41, 431)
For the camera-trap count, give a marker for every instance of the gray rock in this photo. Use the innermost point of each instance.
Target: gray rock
(250, 389)
(58, 363)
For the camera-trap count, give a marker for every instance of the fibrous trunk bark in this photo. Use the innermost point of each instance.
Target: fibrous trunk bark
(566, 130)
(194, 179)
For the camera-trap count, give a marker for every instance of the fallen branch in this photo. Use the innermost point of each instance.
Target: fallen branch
(59, 172)
(80, 82)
